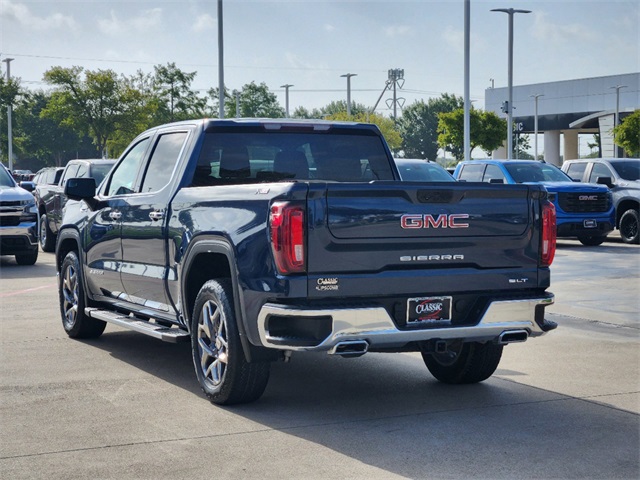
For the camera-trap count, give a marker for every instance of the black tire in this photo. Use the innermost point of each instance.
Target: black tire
(47, 237)
(75, 321)
(470, 362)
(629, 226)
(27, 258)
(592, 241)
(221, 367)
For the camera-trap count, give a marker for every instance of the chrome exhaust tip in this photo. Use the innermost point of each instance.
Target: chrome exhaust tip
(350, 348)
(513, 336)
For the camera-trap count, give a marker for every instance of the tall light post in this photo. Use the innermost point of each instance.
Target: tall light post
(509, 106)
(220, 61)
(535, 124)
(467, 70)
(348, 77)
(9, 110)
(286, 98)
(616, 120)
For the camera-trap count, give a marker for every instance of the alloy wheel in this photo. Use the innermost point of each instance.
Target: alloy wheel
(213, 343)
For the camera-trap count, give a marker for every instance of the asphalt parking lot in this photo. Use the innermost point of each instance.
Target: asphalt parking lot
(126, 406)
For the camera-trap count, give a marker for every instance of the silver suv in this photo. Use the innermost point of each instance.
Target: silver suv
(622, 176)
(18, 221)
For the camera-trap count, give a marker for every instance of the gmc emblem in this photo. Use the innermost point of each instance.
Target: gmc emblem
(587, 197)
(429, 221)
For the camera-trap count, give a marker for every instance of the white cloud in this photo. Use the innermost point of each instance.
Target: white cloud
(21, 13)
(397, 30)
(147, 21)
(328, 27)
(204, 23)
(543, 29)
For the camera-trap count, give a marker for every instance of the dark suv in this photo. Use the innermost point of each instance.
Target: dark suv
(622, 175)
(51, 199)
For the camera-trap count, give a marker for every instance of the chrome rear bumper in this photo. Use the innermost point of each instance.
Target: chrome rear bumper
(375, 326)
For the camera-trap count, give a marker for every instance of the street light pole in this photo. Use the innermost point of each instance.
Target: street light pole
(286, 97)
(535, 125)
(509, 106)
(616, 120)
(220, 61)
(467, 103)
(348, 77)
(9, 111)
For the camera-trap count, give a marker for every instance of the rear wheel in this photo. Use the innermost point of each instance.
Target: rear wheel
(75, 321)
(222, 370)
(470, 362)
(592, 241)
(629, 226)
(47, 237)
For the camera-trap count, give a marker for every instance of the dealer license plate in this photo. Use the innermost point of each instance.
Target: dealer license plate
(428, 309)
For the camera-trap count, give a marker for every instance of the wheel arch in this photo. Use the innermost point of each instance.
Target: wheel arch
(623, 206)
(209, 258)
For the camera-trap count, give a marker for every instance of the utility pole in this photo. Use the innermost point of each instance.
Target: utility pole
(508, 108)
(348, 77)
(286, 96)
(220, 61)
(9, 111)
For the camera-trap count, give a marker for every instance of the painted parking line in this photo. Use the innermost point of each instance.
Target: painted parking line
(20, 292)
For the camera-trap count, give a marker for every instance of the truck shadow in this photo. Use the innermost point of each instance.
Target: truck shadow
(386, 411)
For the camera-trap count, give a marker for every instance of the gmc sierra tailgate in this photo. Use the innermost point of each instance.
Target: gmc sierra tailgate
(417, 235)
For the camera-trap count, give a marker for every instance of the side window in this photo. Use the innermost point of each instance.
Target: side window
(125, 174)
(599, 170)
(494, 173)
(70, 172)
(83, 171)
(163, 160)
(576, 170)
(471, 172)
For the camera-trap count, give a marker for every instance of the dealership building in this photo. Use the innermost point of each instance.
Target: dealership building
(569, 108)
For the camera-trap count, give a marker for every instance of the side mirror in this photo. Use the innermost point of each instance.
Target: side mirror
(605, 181)
(82, 189)
(28, 186)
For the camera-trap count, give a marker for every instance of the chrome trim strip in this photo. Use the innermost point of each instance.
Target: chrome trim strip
(374, 325)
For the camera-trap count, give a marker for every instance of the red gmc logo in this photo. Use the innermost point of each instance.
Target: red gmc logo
(453, 220)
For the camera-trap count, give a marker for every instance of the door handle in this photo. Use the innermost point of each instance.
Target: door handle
(115, 215)
(156, 215)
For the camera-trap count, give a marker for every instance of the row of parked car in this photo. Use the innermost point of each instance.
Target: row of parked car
(31, 210)
(592, 196)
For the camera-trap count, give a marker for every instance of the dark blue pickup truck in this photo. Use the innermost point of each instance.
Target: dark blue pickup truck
(254, 239)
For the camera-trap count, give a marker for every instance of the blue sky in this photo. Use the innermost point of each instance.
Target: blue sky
(309, 44)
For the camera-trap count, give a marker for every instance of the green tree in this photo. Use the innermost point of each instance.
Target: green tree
(49, 142)
(173, 87)
(486, 131)
(256, 101)
(627, 134)
(98, 105)
(419, 124)
(386, 125)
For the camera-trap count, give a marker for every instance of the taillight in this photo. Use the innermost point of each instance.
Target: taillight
(287, 237)
(548, 250)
